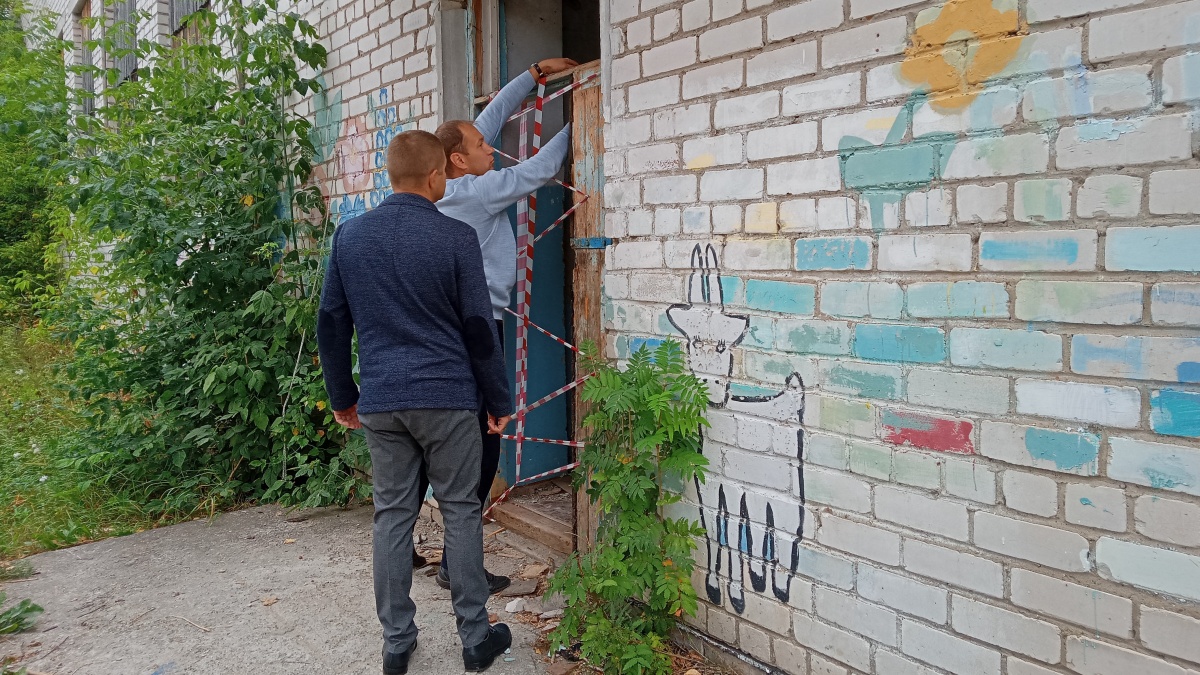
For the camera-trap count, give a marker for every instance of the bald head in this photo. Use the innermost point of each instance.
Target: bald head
(414, 160)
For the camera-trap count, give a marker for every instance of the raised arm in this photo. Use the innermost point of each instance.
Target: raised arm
(335, 335)
(492, 119)
(479, 329)
(500, 189)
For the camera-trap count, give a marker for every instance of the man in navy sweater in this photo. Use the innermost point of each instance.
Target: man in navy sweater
(410, 281)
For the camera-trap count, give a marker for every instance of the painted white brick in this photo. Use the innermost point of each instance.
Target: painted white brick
(967, 570)
(1018, 667)
(655, 94)
(870, 127)
(1041, 544)
(771, 614)
(958, 391)
(861, 8)
(1090, 93)
(829, 93)
(1170, 633)
(836, 213)
(907, 595)
(1030, 493)
(847, 611)
(621, 10)
(970, 479)
(1147, 567)
(757, 470)
(993, 108)
(1042, 200)
(652, 158)
(732, 184)
(819, 665)
(1167, 520)
(1175, 304)
(1006, 629)
(622, 193)
(754, 642)
(983, 204)
(1048, 51)
(836, 489)
(950, 653)
(701, 153)
(804, 177)
(719, 77)
(678, 252)
(863, 43)
(798, 215)
(667, 222)
(694, 14)
(1095, 403)
(926, 252)
(894, 664)
(861, 540)
(1121, 143)
(1049, 10)
(884, 82)
(782, 64)
(1111, 197)
(735, 37)
(929, 208)
(637, 254)
(757, 254)
(785, 141)
(656, 287)
(994, 157)
(666, 24)
(942, 517)
(616, 286)
(640, 33)
(1179, 81)
(1143, 31)
(1175, 191)
(802, 18)
(726, 218)
(1096, 506)
(682, 121)
(1088, 656)
(670, 56)
(640, 223)
(762, 218)
(833, 642)
(1082, 605)
(743, 110)
(1159, 465)
(792, 659)
(670, 190)
(1080, 302)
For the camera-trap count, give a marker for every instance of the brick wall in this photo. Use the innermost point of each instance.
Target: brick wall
(938, 264)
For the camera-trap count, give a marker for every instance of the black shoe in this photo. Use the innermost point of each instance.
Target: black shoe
(478, 658)
(419, 560)
(397, 664)
(496, 583)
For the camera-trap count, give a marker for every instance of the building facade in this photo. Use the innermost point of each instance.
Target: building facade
(938, 263)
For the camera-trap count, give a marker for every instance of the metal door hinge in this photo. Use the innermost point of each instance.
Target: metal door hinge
(591, 242)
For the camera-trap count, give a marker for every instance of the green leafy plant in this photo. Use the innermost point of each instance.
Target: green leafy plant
(624, 596)
(19, 617)
(195, 264)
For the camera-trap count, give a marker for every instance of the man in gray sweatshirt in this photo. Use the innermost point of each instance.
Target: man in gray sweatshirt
(480, 195)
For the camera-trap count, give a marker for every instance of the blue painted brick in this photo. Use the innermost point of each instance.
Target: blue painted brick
(781, 296)
(907, 344)
(1153, 249)
(833, 253)
(964, 298)
(732, 290)
(880, 300)
(1058, 250)
(1175, 413)
(1169, 359)
(761, 333)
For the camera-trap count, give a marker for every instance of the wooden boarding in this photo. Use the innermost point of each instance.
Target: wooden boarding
(532, 525)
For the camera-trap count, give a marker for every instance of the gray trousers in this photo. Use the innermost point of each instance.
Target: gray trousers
(449, 443)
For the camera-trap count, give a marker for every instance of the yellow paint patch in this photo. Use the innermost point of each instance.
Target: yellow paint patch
(884, 123)
(762, 218)
(966, 43)
(702, 161)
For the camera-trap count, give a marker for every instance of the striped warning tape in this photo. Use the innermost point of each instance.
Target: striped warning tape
(545, 332)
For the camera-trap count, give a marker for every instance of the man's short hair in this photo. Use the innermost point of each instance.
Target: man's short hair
(451, 135)
(412, 156)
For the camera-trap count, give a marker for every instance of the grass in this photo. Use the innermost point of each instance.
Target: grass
(42, 505)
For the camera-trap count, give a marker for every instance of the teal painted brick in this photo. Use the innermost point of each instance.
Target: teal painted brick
(961, 299)
(1080, 302)
(761, 333)
(774, 368)
(781, 296)
(833, 253)
(732, 290)
(1153, 249)
(1003, 348)
(813, 337)
(1175, 413)
(879, 300)
(870, 380)
(905, 344)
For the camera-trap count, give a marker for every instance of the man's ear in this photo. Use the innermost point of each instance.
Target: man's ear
(458, 160)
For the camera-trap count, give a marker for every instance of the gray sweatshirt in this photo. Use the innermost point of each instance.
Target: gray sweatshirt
(481, 201)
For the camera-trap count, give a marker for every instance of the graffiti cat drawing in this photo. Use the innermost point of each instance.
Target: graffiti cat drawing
(710, 335)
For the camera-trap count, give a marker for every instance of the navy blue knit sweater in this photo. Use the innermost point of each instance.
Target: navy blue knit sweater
(410, 281)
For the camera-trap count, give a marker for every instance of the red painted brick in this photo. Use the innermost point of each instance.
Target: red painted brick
(926, 431)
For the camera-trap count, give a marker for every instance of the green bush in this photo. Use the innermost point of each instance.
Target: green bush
(624, 596)
(193, 300)
(33, 97)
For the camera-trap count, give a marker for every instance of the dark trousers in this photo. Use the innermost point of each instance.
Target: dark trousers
(491, 451)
